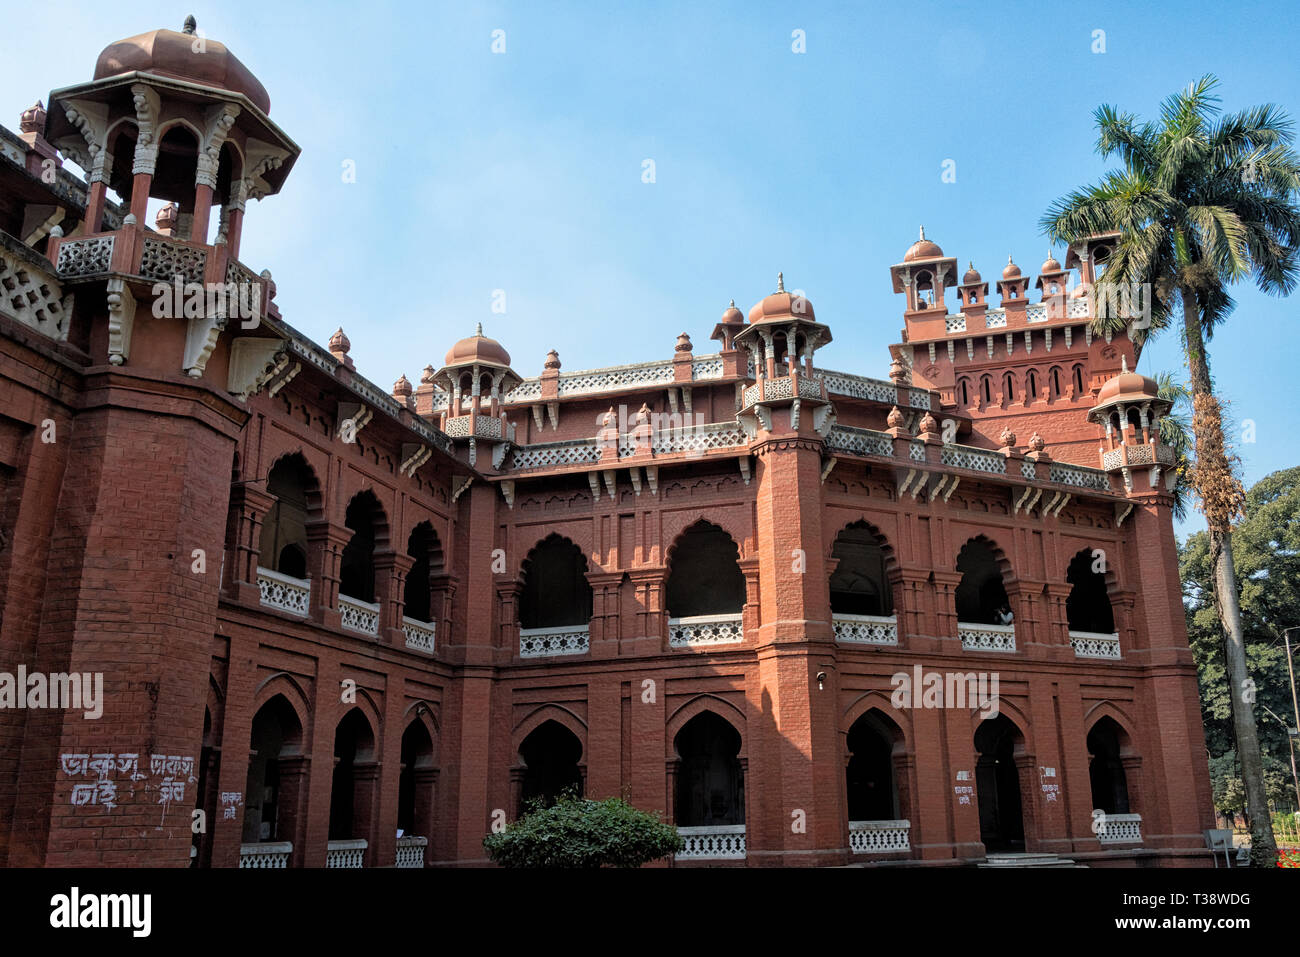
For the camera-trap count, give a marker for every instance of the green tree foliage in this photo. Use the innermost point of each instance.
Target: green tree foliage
(579, 832)
(1266, 550)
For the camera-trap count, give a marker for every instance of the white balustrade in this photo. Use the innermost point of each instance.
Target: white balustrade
(879, 837)
(865, 629)
(977, 460)
(698, 630)
(545, 642)
(268, 855)
(720, 842)
(339, 854)
(1091, 644)
(1119, 828)
(976, 637)
(284, 592)
(410, 851)
(419, 634)
(359, 616)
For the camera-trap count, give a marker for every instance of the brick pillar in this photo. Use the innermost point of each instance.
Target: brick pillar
(391, 569)
(650, 632)
(365, 812)
(295, 788)
(248, 508)
(325, 543)
(604, 629)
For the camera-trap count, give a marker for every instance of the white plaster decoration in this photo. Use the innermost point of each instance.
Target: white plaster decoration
(857, 441)
(284, 592)
(1120, 829)
(865, 629)
(1028, 469)
(955, 323)
(1036, 312)
(32, 295)
(932, 350)
(1069, 335)
(356, 413)
(345, 854)
(414, 454)
(824, 418)
(90, 120)
(359, 616)
(121, 320)
(764, 415)
(1077, 308)
(410, 851)
(916, 452)
(499, 453)
(1091, 644)
(977, 460)
(84, 257)
(706, 368)
(1080, 476)
(1087, 336)
(879, 837)
(986, 637)
(552, 454)
(952, 351)
(615, 378)
(419, 634)
(990, 344)
(859, 387)
(201, 336)
(147, 107)
(716, 842)
(1029, 342)
(920, 399)
(1047, 339)
(271, 855)
(995, 319)
(1011, 344)
(699, 630)
(548, 642)
(165, 259)
(255, 362)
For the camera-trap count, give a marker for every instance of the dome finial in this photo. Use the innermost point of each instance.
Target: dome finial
(478, 329)
(1008, 259)
(922, 233)
(733, 304)
(190, 25)
(780, 282)
(1123, 363)
(970, 264)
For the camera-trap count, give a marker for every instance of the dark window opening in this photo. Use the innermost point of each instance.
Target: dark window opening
(872, 784)
(550, 755)
(710, 782)
(704, 576)
(556, 592)
(981, 595)
(997, 783)
(1105, 769)
(1088, 606)
(859, 585)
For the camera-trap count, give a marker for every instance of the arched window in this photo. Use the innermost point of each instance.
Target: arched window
(704, 576)
(872, 775)
(550, 755)
(283, 544)
(964, 391)
(859, 585)
(556, 592)
(1105, 768)
(924, 290)
(424, 547)
(270, 801)
(415, 783)
(1008, 389)
(997, 782)
(1078, 381)
(365, 517)
(1031, 386)
(981, 595)
(987, 385)
(351, 795)
(1088, 607)
(710, 782)
(1056, 382)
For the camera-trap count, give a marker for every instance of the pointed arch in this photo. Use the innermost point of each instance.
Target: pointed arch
(704, 576)
(705, 701)
(538, 717)
(555, 592)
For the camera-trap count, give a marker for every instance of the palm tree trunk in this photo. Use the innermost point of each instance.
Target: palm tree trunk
(1263, 848)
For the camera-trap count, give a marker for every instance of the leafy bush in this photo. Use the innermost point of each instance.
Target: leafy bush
(579, 832)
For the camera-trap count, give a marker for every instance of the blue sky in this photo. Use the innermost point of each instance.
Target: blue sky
(522, 171)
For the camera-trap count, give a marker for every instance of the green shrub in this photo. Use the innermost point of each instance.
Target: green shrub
(578, 832)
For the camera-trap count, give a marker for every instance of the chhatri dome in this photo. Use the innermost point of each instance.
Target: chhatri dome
(922, 249)
(478, 348)
(782, 305)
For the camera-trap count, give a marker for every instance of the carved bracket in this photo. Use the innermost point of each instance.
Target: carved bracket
(121, 320)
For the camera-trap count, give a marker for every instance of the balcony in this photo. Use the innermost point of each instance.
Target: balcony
(880, 837)
(986, 637)
(359, 616)
(1091, 644)
(272, 854)
(410, 851)
(724, 842)
(865, 629)
(419, 634)
(546, 642)
(1120, 828)
(699, 630)
(339, 854)
(283, 592)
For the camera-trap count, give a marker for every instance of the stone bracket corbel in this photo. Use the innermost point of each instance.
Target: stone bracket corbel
(201, 335)
(460, 490)
(635, 474)
(744, 468)
(537, 416)
(956, 480)
(414, 454)
(920, 485)
(220, 119)
(938, 487)
(121, 320)
(1047, 509)
(1021, 501)
(356, 413)
(609, 475)
(1122, 510)
(256, 362)
(652, 478)
(826, 469)
(907, 482)
(148, 110)
(508, 492)
(499, 453)
(594, 482)
(1064, 501)
(553, 413)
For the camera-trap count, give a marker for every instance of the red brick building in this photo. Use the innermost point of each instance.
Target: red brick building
(325, 613)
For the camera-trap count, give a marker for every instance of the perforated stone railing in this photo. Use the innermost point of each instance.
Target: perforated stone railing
(615, 378)
(855, 441)
(859, 387)
(84, 257)
(545, 642)
(718, 842)
(916, 452)
(976, 637)
(865, 629)
(880, 837)
(1119, 828)
(1077, 308)
(1091, 644)
(166, 259)
(1028, 468)
(346, 854)
(995, 319)
(284, 592)
(419, 634)
(1080, 477)
(715, 435)
(410, 851)
(1036, 312)
(698, 630)
(30, 292)
(921, 399)
(552, 454)
(527, 391)
(977, 460)
(359, 616)
(955, 323)
(270, 855)
(706, 368)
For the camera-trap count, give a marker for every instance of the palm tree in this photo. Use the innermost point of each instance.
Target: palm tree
(1176, 432)
(1201, 201)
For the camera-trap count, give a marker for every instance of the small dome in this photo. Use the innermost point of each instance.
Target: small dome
(1010, 270)
(972, 276)
(731, 315)
(1128, 385)
(477, 348)
(172, 54)
(922, 249)
(402, 386)
(339, 342)
(1050, 264)
(33, 119)
(167, 216)
(782, 305)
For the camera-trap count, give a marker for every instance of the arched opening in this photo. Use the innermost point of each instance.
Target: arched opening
(424, 547)
(859, 585)
(997, 783)
(1088, 606)
(550, 755)
(273, 789)
(1031, 385)
(986, 385)
(283, 543)
(924, 290)
(415, 782)
(1078, 381)
(981, 594)
(174, 174)
(556, 592)
(1056, 382)
(365, 517)
(352, 791)
(704, 576)
(872, 776)
(710, 780)
(1105, 769)
(205, 795)
(1008, 389)
(964, 390)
